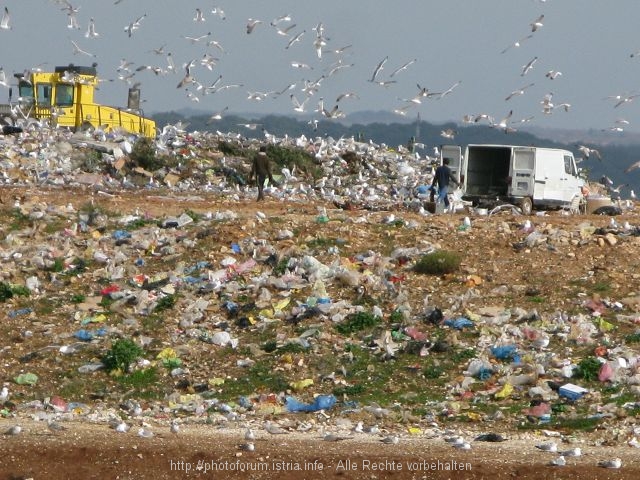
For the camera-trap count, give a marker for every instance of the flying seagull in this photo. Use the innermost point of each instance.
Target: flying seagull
(135, 25)
(77, 49)
(520, 91)
(379, 68)
(6, 18)
(586, 151)
(251, 24)
(537, 23)
(91, 30)
(403, 67)
(517, 43)
(187, 78)
(528, 66)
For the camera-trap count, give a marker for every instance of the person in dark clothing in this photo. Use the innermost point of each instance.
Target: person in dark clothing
(261, 170)
(442, 177)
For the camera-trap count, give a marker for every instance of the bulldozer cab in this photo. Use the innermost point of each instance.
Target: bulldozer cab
(65, 97)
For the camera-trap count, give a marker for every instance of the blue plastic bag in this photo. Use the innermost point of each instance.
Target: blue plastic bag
(458, 323)
(504, 352)
(321, 402)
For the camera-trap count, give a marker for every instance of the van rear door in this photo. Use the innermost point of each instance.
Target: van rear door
(454, 154)
(522, 172)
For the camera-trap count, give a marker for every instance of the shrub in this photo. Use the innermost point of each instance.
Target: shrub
(143, 154)
(438, 263)
(8, 291)
(122, 354)
(588, 369)
(356, 322)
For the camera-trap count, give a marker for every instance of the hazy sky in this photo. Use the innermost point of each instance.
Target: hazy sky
(590, 41)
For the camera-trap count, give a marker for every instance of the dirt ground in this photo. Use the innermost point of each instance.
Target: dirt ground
(94, 451)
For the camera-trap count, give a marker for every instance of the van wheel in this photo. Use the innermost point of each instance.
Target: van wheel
(526, 205)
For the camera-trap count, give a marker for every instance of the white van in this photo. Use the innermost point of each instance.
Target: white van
(530, 177)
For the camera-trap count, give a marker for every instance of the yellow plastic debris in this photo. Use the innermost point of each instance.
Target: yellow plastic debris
(414, 431)
(505, 392)
(605, 326)
(474, 417)
(281, 305)
(302, 384)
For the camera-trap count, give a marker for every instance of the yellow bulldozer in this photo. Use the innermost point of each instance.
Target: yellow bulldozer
(65, 98)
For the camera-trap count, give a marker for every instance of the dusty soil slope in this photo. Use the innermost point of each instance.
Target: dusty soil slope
(570, 266)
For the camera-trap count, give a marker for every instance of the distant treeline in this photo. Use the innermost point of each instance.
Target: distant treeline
(615, 158)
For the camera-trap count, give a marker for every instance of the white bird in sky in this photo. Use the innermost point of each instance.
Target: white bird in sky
(187, 78)
(217, 115)
(625, 100)
(199, 16)
(345, 95)
(195, 40)
(449, 90)
(553, 74)
(586, 151)
(520, 91)
(91, 30)
(297, 106)
(378, 69)
(135, 25)
(285, 31)
(403, 67)
(633, 166)
(517, 43)
(295, 39)
(537, 23)
(449, 133)
(77, 50)
(526, 68)
(280, 19)
(6, 19)
(305, 66)
(504, 123)
(217, 11)
(251, 25)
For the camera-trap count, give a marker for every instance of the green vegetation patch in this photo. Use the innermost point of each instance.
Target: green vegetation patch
(438, 263)
(357, 322)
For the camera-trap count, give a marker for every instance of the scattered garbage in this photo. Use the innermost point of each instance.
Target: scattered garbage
(321, 402)
(206, 304)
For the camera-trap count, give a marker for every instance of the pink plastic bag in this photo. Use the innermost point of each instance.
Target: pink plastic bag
(606, 372)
